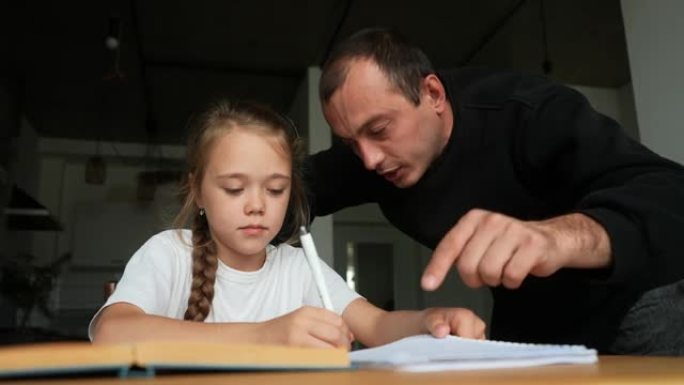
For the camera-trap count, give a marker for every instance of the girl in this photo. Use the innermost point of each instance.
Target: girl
(242, 188)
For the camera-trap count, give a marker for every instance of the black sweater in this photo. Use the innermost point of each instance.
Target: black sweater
(532, 149)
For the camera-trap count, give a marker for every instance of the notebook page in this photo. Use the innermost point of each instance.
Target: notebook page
(425, 353)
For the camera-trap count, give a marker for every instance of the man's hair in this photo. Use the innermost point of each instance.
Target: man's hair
(403, 63)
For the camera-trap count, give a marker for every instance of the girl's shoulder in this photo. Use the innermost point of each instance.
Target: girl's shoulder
(164, 251)
(177, 242)
(175, 238)
(286, 255)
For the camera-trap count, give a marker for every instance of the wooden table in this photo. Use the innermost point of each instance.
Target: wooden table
(609, 370)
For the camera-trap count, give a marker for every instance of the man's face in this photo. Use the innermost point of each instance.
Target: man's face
(391, 135)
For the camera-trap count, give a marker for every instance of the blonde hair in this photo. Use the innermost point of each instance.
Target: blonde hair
(217, 120)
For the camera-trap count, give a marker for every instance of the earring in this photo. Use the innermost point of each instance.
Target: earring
(201, 212)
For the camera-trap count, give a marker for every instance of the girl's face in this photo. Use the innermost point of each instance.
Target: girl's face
(245, 192)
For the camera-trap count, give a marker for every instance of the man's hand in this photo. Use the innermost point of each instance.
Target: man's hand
(493, 249)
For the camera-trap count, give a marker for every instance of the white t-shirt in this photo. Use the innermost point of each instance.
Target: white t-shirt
(158, 278)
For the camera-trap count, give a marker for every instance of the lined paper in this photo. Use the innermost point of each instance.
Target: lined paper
(426, 353)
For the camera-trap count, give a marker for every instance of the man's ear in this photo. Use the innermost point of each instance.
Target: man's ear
(435, 92)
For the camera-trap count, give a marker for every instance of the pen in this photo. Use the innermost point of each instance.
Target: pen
(315, 264)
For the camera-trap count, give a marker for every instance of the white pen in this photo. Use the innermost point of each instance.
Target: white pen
(315, 264)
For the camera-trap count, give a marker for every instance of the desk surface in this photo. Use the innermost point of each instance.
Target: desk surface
(609, 370)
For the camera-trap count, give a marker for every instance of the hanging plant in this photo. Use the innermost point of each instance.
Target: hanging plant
(27, 286)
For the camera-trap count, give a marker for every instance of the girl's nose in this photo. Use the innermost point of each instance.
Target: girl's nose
(255, 204)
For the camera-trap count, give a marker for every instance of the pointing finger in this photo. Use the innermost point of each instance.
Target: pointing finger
(449, 249)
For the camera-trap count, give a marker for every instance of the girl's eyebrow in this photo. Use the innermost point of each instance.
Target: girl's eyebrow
(242, 176)
(235, 175)
(278, 176)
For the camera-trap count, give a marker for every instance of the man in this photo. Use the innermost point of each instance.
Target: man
(516, 182)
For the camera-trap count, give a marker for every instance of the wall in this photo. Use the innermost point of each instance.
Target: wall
(616, 103)
(19, 167)
(306, 111)
(111, 220)
(319, 139)
(654, 33)
(23, 168)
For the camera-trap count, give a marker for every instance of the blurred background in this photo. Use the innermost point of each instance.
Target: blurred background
(95, 97)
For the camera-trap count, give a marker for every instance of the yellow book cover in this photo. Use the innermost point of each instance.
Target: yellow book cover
(65, 358)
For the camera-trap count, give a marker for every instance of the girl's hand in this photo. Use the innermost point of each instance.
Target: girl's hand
(461, 322)
(307, 326)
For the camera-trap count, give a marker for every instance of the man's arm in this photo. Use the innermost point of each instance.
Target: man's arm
(492, 249)
(624, 205)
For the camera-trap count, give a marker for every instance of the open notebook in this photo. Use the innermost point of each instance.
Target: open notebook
(419, 353)
(147, 358)
(426, 353)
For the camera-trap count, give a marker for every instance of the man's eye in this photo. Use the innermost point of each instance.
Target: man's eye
(377, 131)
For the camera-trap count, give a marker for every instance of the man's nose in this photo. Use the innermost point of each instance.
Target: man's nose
(370, 154)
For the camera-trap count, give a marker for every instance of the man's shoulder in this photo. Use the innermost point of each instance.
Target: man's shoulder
(473, 87)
